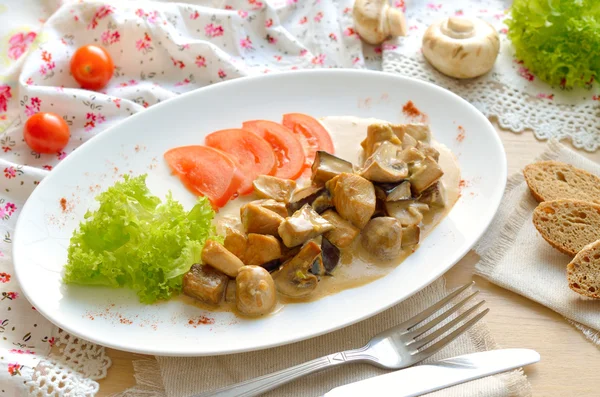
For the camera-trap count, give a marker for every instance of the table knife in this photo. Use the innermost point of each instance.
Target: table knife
(422, 379)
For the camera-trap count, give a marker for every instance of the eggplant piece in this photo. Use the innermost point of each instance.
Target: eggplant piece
(428, 151)
(434, 196)
(220, 258)
(261, 249)
(379, 209)
(354, 198)
(271, 266)
(410, 235)
(407, 212)
(411, 154)
(382, 237)
(343, 233)
(317, 268)
(327, 166)
(384, 166)
(205, 283)
(304, 225)
(293, 278)
(255, 292)
(393, 191)
(305, 196)
(271, 187)
(257, 219)
(424, 174)
(277, 207)
(377, 133)
(330, 255)
(236, 242)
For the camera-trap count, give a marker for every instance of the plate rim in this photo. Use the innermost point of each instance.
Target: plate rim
(156, 350)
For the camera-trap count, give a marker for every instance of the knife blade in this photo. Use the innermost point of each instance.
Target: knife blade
(422, 379)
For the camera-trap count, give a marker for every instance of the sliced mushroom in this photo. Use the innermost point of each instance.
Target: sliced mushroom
(305, 196)
(393, 191)
(382, 237)
(330, 255)
(375, 21)
(428, 151)
(277, 207)
(236, 242)
(221, 258)
(271, 187)
(257, 219)
(255, 292)
(354, 198)
(261, 249)
(424, 174)
(293, 278)
(410, 235)
(411, 154)
(377, 133)
(434, 196)
(384, 166)
(407, 212)
(205, 284)
(343, 233)
(326, 166)
(461, 47)
(302, 226)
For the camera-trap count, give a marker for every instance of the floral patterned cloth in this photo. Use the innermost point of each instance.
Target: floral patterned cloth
(160, 50)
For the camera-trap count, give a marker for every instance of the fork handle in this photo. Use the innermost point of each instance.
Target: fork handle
(263, 384)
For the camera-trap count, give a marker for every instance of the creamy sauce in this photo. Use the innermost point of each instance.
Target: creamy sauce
(356, 266)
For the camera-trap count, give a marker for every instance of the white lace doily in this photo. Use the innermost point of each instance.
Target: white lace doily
(510, 92)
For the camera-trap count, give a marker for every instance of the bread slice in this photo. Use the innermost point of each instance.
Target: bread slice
(568, 225)
(583, 272)
(553, 180)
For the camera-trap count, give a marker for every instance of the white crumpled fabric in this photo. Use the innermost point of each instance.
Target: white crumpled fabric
(510, 92)
(160, 50)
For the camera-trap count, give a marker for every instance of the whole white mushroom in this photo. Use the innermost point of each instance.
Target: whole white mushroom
(461, 47)
(375, 21)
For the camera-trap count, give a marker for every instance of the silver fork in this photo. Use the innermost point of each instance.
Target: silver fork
(398, 347)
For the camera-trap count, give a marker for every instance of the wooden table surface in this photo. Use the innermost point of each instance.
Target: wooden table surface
(570, 364)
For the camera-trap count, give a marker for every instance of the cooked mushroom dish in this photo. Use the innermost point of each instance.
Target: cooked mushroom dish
(363, 211)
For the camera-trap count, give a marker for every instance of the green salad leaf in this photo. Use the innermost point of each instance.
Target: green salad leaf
(134, 240)
(558, 40)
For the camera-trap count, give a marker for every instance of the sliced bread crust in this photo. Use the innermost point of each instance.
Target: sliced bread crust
(568, 225)
(583, 273)
(553, 180)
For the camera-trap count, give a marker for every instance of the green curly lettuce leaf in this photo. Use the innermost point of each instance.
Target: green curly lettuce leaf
(133, 240)
(558, 40)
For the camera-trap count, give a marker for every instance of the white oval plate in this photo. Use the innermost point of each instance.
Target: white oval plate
(115, 318)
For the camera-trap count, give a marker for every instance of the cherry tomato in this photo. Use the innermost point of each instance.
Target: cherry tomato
(46, 133)
(92, 67)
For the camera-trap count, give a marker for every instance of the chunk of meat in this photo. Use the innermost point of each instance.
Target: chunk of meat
(428, 151)
(271, 187)
(220, 258)
(277, 207)
(377, 133)
(257, 219)
(408, 212)
(424, 174)
(353, 197)
(410, 155)
(236, 242)
(261, 249)
(434, 196)
(293, 278)
(343, 233)
(205, 284)
(418, 131)
(382, 237)
(302, 226)
(384, 166)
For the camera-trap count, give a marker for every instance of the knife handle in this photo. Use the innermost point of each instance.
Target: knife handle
(263, 384)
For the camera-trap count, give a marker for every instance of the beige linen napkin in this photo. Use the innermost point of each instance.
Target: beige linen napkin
(516, 257)
(186, 376)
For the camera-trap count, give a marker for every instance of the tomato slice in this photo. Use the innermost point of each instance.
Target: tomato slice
(253, 155)
(311, 134)
(288, 150)
(206, 172)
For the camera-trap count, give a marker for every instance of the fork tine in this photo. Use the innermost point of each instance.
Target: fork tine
(423, 354)
(446, 327)
(427, 326)
(411, 322)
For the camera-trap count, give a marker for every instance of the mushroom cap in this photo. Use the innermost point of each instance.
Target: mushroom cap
(461, 47)
(255, 291)
(375, 21)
